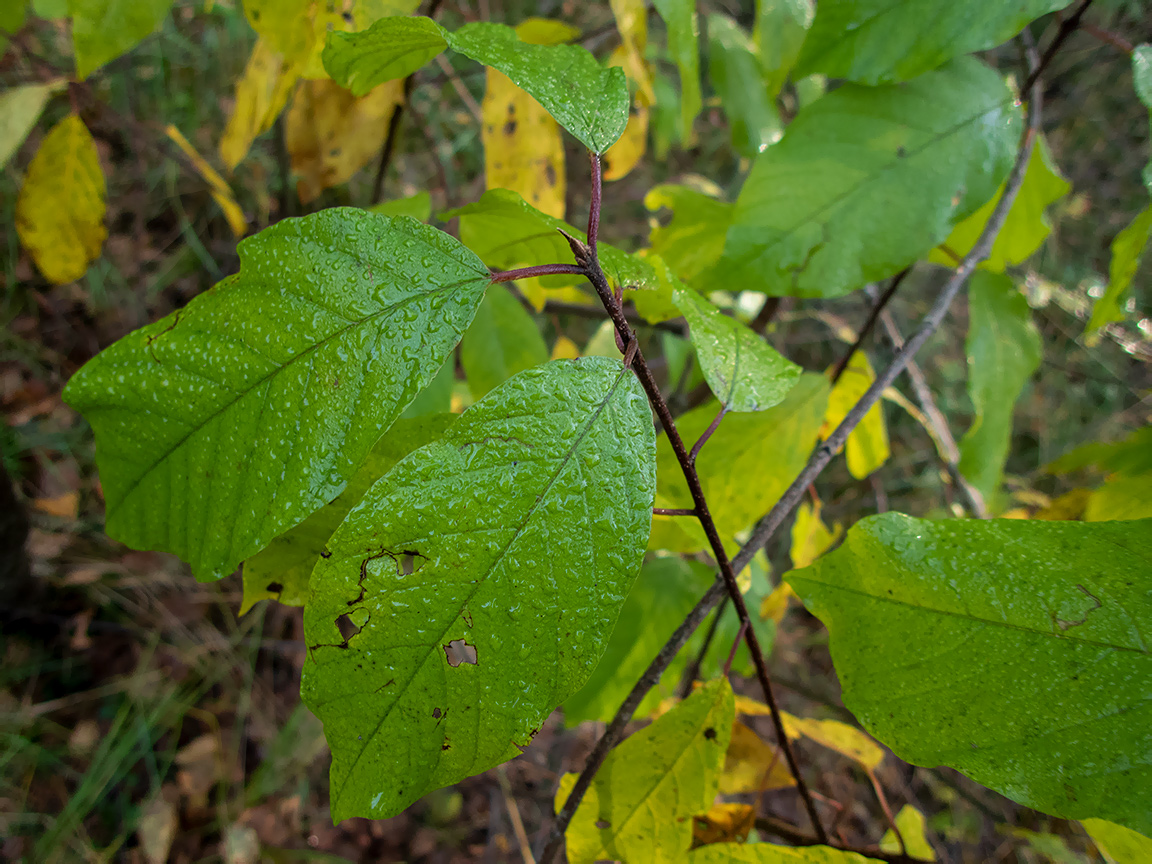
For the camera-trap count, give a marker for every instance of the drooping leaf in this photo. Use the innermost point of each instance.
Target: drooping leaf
(683, 46)
(1127, 250)
(104, 29)
(331, 134)
(418, 206)
(280, 571)
(739, 483)
(1004, 349)
(261, 94)
(20, 108)
(753, 121)
(693, 240)
(766, 853)
(589, 101)
(867, 445)
(868, 179)
(229, 421)
(392, 48)
(218, 188)
(640, 804)
(781, 26)
(60, 210)
(484, 573)
(1120, 845)
(1025, 226)
(1019, 660)
(881, 41)
(914, 829)
(750, 765)
(811, 538)
(523, 150)
(502, 341)
(744, 372)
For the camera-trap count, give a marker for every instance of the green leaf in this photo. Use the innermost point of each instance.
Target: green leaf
(753, 121)
(50, 9)
(1004, 349)
(663, 594)
(20, 108)
(1132, 455)
(502, 341)
(683, 46)
(104, 29)
(867, 446)
(588, 100)
(1124, 496)
(766, 853)
(743, 371)
(1127, 250)
(506, 232)
(740, 484)
(1142, 80)
(391, 48)
(418, 206)
(436, 397)
(229, 421)
(781, 26)
(1026, 225)
(280, 571)
(12, 15)
(882, 41)
(511, 543)
(868, 179)
(640, 804)
(1119, 844)
(693, 240)
(1011, 651)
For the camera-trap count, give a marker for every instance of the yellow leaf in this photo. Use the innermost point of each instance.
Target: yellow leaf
(624, 155)
(810, 536)
(844, 739)
(867, 446)
(20, 108)
(261, 94)
(913, 829)
(751, 765)
(723, 823)
(749, 707)
(64, 505)
(1015, 513)
(565, 349)
(632, 22)
(221, 191)
(1070, 505)
(776, 603)
(331, 134)
(60, 210)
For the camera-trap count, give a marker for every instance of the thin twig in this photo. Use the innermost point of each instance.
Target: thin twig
(594, 207)
(870, 323)
(514, 816)
(705, 435)
(673, 511)
(539, 270)
(1067, 26)
(883, 799)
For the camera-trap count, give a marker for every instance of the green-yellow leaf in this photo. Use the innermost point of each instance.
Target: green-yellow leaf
(20, 108)
(867, 445)
(60, 210)
(391, 48)
(261, 94)
(502, 340)
(640, 804)
(810, 536)
(418, 206)
(753, 121)
(693, 240)
(781, 26)
(1118, 844)
(914, 830)
(766, 853)
(104, 29)
(1124, 496)
(750, 765)
(1127, 250)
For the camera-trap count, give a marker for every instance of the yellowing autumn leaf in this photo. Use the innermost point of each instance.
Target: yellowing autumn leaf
(844, 739)
(867, 447)
(20, 108)
(751, 765)
(261, 94)
(60, 210)
(776, 603)
(810, 536)
(914, 830)
(565, 349)
(331, 134)
(632, 22)
(627, 152)
(221, 192)
(723, 823)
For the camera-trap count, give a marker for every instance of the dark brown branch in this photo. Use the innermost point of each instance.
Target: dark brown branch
(673, 511)
(870, 323)
(1067, 27)
(594, 207)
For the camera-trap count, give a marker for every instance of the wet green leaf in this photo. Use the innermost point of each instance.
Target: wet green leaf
(753, 121)
(502, 341)
(418, 206)
(280, 570)
(766, 853)
(587, 99)
(1011, 651)
(1121, 845)
(229, 421)
(640, 804)
(391, 48)
(882, 41)
(693, 240)
(436, 397)
(744, 372)
(868, 179)
(484, 573)
(1004, 349)
(683, 46)
(781, 26)
(1127, 250)
(104, 29)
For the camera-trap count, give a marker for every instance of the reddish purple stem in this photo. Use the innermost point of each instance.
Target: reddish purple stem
(541, 270)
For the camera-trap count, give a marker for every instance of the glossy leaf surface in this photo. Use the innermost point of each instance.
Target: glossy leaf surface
(232, 419)
(104, 29)
(391, 48)
(1004, 349)
(502, 341)
(1011, 651)
(744, 372)
(280, 571)
(868, 179)
(588, 100)
(484, 573)
(640, 804)
(881, 41)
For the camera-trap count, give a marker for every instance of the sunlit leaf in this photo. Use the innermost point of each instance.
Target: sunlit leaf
(1118, 844)
(392, 48)
(261, 94)
(1127, 251)
(640, 804)
(781, 26)
(1132, 455)
(61, 206)
(337, 320)
(104, 29)
(867, 445)
(693, 240)
(913, 828)
(753, 121)
(1004, 349)
(20, 108)
(683, 46)
(482, 576)
(502, 341)
(868, 179)
(218, 188)
(1017, 658)
(750, 765)
(880, 41)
